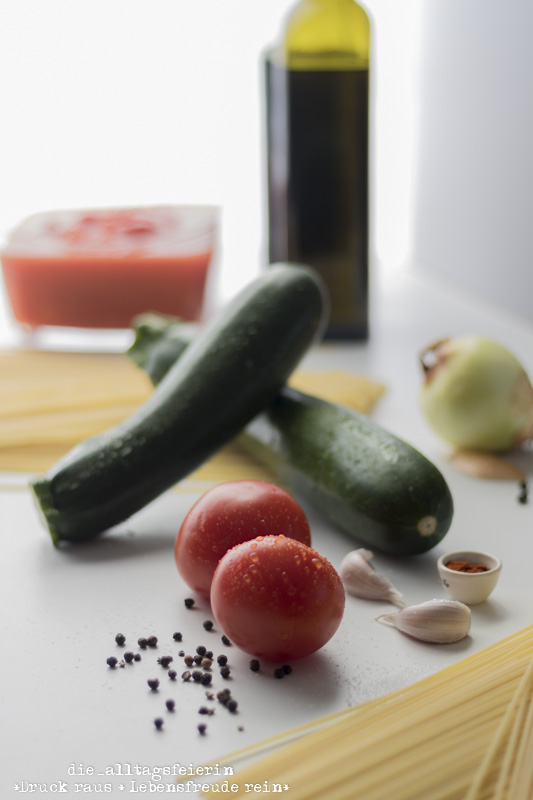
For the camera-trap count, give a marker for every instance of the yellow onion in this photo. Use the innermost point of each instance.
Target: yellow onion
(476, 395)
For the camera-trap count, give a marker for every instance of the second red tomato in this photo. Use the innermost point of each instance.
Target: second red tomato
(228, 514)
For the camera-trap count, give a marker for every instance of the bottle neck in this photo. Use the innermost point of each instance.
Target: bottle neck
(325, 34)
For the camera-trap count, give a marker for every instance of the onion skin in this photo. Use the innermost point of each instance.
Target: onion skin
(476, 395)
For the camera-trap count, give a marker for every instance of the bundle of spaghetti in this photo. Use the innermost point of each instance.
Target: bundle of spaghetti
(50, 401)
(426, 742)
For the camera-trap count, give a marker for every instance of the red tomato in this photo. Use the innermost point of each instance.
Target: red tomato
(277, 598)
(228, 514)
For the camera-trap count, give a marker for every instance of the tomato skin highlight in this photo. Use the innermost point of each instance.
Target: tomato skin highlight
(276, 598)
(228, 514)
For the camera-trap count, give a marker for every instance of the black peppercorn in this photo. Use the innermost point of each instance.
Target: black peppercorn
(158, 723)
(225, 672)
(170, 704)
(172, 674)
(189, 602)
(197, 676)
(206, 679)
(189, 661)
(208, 625)
(202, 729)
(137, 657)
(231, 705)
(223, 696)
(177, 637)
(165, 660)
(222, 660)
(142, 642)
(128, 657)
(153, 683)
(201, 650)
(112, 662)
(152, 641)
(120, 639)
(226, 641)
(255, 666)
(287, 669)
(279, 672)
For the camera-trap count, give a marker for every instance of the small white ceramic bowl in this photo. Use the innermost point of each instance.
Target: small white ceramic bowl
(470, 588)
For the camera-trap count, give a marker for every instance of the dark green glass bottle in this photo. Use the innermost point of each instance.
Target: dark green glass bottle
(317, 111)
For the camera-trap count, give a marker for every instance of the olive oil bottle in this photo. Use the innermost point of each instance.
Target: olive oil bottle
(317, 117)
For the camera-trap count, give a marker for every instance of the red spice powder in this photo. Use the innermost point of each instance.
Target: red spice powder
(466, 566)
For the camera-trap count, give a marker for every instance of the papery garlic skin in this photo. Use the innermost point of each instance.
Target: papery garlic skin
(435, 621)
(361, 580)
(476, 395)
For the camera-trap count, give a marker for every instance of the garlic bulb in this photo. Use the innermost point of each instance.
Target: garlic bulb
(476, 394)
(436, 621)
(361, 580)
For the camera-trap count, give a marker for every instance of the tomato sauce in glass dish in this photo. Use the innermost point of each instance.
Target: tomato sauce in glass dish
(100, 268)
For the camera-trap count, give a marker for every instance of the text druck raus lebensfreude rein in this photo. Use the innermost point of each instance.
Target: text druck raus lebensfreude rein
(143, 778)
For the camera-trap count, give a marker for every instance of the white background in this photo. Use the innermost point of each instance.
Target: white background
(129, 101)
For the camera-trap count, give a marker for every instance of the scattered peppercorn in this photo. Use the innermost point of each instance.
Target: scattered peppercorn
(189, 602)
(189, 661)
(255, 666)
(170, 704)
(172, 674)
(523, 495)
(137, 657)
(158, 723)
(165, 660)
(231, 705)
(208, 625)
(177, 637)
(198, 660)
(209, 654)
(206, 679)
(279, 672)
(120, 639)
(153, 683)
(223, 696)
(197, 675)
(206, 663)
(222, 660)
(152, 641)
(181, 653)
(203, 710)
(210, 695)
(226, 641)
(202, 729)
(201, 650)
(225, 672)
(112, 662)
(186, 675)
(128, 657)
(287, 669)
(142, 642)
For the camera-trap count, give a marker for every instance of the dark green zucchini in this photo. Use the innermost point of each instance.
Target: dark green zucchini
(232, 370)
(376, 487)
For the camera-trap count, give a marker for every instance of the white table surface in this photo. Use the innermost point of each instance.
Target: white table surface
(61, 608)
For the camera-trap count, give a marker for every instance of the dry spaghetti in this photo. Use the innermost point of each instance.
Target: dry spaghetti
(465, 733)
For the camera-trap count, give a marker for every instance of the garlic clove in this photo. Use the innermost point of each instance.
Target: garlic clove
(361, 580)
(435, 621)
(476, 395)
